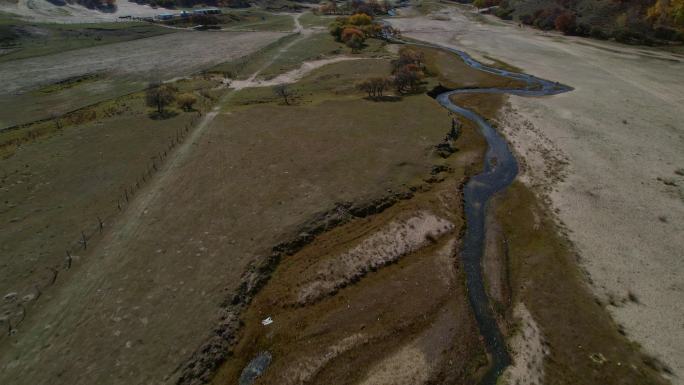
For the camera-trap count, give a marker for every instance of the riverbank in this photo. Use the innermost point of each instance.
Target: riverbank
(605, 156)
(318, 313)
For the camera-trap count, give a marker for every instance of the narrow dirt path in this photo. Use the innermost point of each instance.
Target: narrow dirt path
(97, 307)
(134, 212)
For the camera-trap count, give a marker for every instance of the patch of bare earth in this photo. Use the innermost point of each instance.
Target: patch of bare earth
(381, 248)
(528, 351)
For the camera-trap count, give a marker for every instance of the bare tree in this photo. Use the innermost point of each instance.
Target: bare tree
(367, 87)
(379, 85)
(374, 86)
(282, 90)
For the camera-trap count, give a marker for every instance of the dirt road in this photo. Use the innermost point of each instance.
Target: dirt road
(606, 155)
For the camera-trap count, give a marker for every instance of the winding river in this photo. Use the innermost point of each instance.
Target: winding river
(500, 170)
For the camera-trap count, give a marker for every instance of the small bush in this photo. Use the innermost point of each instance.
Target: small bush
(186, 101)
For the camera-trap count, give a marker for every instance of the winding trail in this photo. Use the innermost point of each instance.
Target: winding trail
(499, 172)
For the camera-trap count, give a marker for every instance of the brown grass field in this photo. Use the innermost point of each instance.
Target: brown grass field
(307, 213)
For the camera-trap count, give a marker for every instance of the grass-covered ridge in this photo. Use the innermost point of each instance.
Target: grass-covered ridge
(629, 21)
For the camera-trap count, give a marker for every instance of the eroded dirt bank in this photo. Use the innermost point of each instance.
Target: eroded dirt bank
(330, 313)
(606, 155)
(134, 307)
(378, 300)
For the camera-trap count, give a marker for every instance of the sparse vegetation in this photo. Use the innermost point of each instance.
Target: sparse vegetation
(543, 270)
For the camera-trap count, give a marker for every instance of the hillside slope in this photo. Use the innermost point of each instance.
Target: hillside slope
(629, 21)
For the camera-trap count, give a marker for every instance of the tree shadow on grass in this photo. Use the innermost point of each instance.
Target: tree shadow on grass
(166, 114)
(384, 98)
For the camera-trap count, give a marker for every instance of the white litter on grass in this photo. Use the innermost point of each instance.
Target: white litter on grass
(267, 321)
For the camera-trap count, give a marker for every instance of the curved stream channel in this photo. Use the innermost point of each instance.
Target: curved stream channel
(499, 171)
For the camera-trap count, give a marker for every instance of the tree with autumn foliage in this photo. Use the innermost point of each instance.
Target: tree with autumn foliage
(408, 70)
(565, 22)
(354, 30)
(353, 38)
(667, 12)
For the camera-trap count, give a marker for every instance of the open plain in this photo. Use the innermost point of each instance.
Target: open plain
(289, 225)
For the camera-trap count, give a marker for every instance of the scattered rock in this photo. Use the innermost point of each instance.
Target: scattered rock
(28, 297)
(255, 368)
(632, 297)
(598, 358)
(668, 181)
(11, 296)
(439, 169)
(445, 149)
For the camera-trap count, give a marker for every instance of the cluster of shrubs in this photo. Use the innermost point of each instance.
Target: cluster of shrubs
(407, 76)
(354, 30)
(159, 95)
